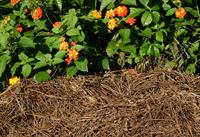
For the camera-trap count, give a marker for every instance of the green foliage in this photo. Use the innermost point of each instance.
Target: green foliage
(150, 29)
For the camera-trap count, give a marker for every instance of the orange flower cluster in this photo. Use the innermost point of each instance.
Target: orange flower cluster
(130, 21)
(121, 11)
(180, 13)
(14, 2)
(57, 24)
(96, 14)
(19, 27)
(112, 23)
(72, 55)
(64, 46)
(37, 13)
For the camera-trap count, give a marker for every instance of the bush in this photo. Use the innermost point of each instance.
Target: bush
(40, 38)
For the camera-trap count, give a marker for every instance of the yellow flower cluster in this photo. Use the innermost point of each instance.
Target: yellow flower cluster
(14, 80)
(96, 14)
(110, 13)
(112, 23)
(64, 46)
(5, 21)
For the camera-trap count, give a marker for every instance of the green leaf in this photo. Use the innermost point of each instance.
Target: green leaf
(14, 68)
(144, 2)
(60, 54)
(156, 16)
(59, 4)
(159, 36)
(82, 65)
(23, 57)
(78, 47)
(195, 13)
(155, 51)
(73, 32)
(191, 69)
(40, 64)
(40, 56)
(171, 11)
(146, 18)
(125, 34)
(147, 33)
(41, 24)
(134, 12)
(105, 64)
(129, 2)
(112, 48)
(42, 76)
(26, 42)
(3, 40)
(194, 48)
(71, 71)
(105, 3)
(56, 61)
(130, 49)
(26, 70)
(2, 66)
(70, 19)
(144, 48)
(166, 6)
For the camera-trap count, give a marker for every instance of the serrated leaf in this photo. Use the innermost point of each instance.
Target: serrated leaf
(146, 18)
(26, 70)
(42, 76)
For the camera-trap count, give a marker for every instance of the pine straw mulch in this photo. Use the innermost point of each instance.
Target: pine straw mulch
(128, 104)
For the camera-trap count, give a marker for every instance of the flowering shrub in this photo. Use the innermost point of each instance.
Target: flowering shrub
(39, 38)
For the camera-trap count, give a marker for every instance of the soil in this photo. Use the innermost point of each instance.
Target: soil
(124, 104)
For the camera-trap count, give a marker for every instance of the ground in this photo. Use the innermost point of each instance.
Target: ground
(116, 104)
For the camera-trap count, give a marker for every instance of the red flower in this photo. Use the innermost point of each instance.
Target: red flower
(27, 11)
(19, 27)
(37, 13)
(57, 24)
(121, 11)
(73, 43)
(131, 21)
(68, 61)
